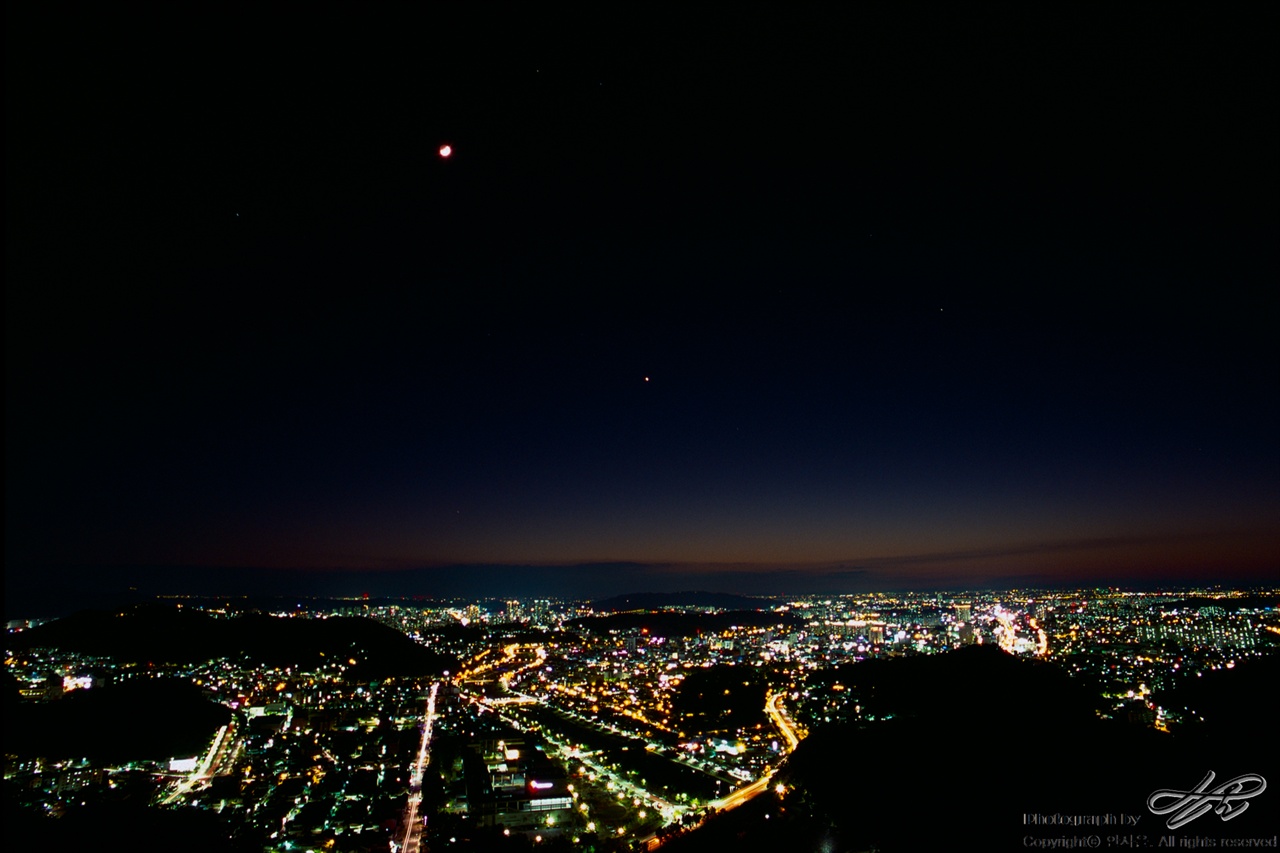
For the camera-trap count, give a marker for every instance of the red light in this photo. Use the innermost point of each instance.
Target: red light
(445, 150)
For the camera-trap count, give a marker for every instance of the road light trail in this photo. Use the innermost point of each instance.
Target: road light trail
(222, 754)
(413, 826)
(742, 795)
(777, 713)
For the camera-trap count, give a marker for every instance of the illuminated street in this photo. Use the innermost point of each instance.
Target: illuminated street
(414, 825)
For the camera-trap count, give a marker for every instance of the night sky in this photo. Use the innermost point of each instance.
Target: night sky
(736, 300)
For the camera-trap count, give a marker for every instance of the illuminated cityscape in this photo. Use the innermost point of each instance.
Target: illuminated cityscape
(767, 428)
(578, 728)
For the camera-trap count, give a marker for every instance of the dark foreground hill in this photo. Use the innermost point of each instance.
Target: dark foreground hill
(975, 745)
(143, 719)
(124, 824)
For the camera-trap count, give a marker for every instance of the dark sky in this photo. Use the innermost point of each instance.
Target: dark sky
(737, 299)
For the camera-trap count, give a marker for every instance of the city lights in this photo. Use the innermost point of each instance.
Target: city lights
(634, 732)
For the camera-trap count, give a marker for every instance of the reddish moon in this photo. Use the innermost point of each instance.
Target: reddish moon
(445, 150)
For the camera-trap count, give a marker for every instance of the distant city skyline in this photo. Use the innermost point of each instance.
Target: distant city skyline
(69, 589)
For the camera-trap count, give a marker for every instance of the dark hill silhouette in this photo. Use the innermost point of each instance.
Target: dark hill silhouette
(142, 719)
(161, 634)
(1250, 602)
(674, 623)
(120, 825)
(694, 598)
(503, 632)
(976, 740)
(1228, 705)
(719, 698)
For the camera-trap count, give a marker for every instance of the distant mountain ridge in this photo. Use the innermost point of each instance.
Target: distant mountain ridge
(690, 598)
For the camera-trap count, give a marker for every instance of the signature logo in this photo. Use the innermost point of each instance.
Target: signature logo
(1226, 801)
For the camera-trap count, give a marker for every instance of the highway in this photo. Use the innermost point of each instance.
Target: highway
(413, 826)
(742, 795)
(218, 761)
(774, 707)
(1009, 632)
(792, 735)
(778, 714)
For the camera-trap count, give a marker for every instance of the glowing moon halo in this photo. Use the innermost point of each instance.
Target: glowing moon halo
(445, 150)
